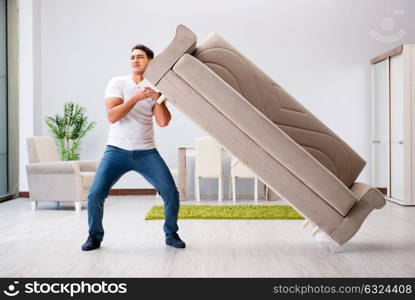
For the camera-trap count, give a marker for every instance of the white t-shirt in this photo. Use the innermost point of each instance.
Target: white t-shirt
(135, 130)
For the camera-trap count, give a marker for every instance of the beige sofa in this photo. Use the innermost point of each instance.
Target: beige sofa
(50, 179)
(293, 152)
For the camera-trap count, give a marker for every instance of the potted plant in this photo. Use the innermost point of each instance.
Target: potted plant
(69, 129)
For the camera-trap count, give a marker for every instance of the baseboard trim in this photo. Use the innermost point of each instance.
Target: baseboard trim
(113, 192)
(23, 195)
(126, 192)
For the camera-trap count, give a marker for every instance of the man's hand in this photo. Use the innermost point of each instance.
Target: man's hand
(141, 94)
(152, 94)
(117, 108)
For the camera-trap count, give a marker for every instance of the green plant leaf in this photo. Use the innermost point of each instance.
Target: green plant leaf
(69, 129)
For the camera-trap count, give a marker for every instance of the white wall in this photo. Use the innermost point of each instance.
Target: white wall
(26, 90)
(317, 50)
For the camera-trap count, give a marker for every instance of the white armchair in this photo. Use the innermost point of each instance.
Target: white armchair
(51, 179)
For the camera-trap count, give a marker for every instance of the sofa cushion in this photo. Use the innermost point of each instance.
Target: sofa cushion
(281, 108)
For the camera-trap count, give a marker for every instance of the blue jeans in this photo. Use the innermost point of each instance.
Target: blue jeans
(115, 163)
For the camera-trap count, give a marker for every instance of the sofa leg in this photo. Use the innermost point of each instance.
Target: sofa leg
(324, 240)
(78, 206)
(315, 230)
(33, 204)
(305, 223)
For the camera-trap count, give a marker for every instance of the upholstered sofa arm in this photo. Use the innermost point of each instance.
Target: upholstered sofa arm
(368, 199)
(360, 189)
(184, 42)
(88, 165)
(55, 167)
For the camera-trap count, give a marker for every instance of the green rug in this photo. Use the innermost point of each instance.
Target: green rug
(261, 212)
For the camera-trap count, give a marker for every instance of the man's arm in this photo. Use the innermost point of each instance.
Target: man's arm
(162, 114)
(117, 108)
(160, 111)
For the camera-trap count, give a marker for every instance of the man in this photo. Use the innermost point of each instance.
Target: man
(130, 147)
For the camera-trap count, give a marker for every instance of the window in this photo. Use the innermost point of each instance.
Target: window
(3, 101)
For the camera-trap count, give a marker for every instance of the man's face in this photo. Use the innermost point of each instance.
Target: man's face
(139, 61)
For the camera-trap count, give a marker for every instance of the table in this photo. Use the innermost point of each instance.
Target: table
(184, 151)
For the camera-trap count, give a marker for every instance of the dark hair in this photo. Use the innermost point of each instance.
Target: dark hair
(148, 51)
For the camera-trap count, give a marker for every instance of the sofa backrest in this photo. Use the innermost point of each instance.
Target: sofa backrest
(41, 149)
